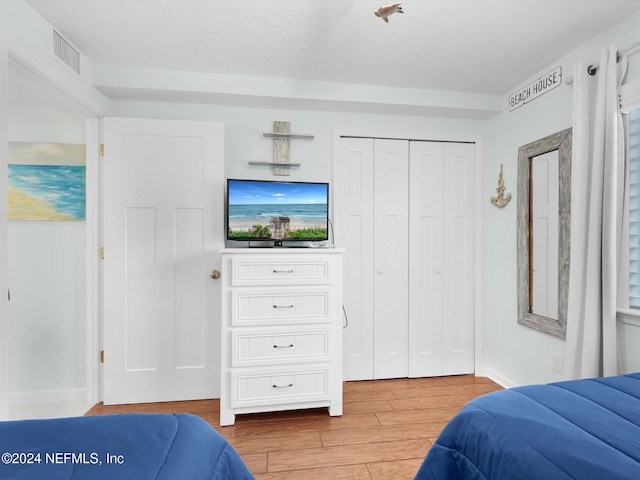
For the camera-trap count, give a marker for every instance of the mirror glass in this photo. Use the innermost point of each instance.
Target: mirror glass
(544, 195)
(544, 234)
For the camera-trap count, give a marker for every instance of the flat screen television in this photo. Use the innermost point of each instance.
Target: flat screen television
(264, 210)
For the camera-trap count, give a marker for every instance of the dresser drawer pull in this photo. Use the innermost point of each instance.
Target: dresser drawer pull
(283, 346)
(283, 271)
(283, 306)
(283, 386)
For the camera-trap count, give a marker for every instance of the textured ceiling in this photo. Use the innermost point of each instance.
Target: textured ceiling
(481, 46)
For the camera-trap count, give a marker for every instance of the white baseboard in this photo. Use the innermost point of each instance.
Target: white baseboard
(48, 396)
(499, 379)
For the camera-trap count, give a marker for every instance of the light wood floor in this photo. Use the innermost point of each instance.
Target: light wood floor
(385, 431)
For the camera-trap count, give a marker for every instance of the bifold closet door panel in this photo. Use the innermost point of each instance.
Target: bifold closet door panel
(353, 200)
(426, 245)
(458, 341)
(391, 260)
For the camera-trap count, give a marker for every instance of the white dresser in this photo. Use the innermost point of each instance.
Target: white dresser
(282, 321)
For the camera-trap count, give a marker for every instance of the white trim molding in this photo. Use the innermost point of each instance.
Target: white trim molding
(47, 396)
(629, 316)
(4, 228)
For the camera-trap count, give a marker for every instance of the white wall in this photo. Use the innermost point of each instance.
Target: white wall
(512, 353)
(47, 276)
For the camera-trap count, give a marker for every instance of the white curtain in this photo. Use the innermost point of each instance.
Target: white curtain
(598, 182)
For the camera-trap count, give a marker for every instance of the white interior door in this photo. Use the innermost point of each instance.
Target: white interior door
(354, 231)
(391, 260)
(163, 228)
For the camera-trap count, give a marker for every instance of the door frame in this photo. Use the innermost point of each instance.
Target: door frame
(93, 107)
(407, 134)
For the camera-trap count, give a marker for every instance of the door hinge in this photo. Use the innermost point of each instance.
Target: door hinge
(101, 253)
(101, 150)
(101, 356)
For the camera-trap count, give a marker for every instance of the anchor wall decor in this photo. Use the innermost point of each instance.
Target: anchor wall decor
(501, 200)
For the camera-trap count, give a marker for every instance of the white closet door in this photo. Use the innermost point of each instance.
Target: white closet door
(353, 198)
(391, 260)
(458, 271)
(406, 219)
(441, 277)
(425, 251)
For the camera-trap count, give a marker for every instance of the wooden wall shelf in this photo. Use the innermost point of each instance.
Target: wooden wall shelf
(288, 135)
(281, 137)
(276, 164)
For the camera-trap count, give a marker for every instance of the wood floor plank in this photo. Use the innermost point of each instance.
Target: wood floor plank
(193, 406)
(443, 391)
(413, 416)
(256, 462)
(401, 469)
(274, 443)
(320, 424)
(392, 383)
(403, 431)
(457, 401)
(385, 431)
(367, 407)
(348, 455)
(468, 379)
(366, 395)
(346, 472)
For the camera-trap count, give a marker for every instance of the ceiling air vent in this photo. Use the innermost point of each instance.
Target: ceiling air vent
(66, 52)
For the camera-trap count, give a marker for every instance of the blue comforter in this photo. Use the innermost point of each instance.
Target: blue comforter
(580, 429)
(123, 447)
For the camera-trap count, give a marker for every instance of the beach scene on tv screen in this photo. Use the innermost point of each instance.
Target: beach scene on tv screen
(277, 210)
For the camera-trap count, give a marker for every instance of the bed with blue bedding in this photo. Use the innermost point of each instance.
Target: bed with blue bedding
(578, 429)
(122, 446)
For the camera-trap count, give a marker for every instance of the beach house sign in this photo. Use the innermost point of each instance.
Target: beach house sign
(539, 87)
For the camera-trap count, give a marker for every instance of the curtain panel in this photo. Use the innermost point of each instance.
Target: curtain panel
(598, 182)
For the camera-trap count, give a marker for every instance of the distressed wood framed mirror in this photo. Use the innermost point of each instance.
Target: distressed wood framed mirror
(544, 203)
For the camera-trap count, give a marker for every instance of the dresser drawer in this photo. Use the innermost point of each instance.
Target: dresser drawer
(257, 347)
(286, 270)
(279, 307)
(279, 387)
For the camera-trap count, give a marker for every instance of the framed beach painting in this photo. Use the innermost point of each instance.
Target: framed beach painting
(47, 181)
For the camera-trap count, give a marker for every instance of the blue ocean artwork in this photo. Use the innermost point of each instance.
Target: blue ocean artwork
(60, 187)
